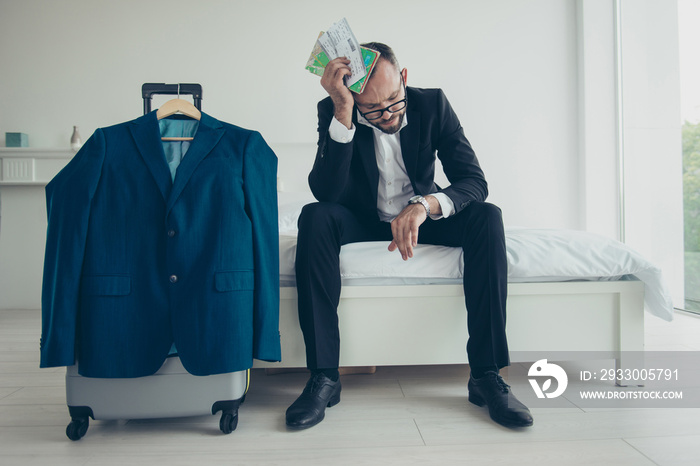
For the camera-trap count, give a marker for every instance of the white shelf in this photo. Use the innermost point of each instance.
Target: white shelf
(29, 166)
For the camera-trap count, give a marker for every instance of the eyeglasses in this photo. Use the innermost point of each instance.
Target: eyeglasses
(393, 108)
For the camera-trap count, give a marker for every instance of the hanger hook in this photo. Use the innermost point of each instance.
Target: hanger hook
(178, 90)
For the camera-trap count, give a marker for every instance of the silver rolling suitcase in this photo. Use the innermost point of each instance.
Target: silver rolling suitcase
(170, 392)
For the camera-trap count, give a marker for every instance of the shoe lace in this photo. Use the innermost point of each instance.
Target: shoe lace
(314, 382)
(504, 387)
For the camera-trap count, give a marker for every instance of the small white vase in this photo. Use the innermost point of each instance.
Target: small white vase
(75, 141)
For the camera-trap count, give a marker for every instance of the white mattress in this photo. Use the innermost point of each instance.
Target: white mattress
(534, 255)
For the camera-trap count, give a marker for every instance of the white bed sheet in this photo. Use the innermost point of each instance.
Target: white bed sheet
(534, 255)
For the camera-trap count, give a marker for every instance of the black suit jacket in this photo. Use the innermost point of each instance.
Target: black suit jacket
(348, 173)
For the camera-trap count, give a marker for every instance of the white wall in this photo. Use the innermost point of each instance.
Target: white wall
(508, 67)
(532, 81)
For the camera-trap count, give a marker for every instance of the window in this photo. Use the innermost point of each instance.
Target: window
(689, 48)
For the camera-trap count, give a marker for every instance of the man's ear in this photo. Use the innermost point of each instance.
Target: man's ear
(404, 74)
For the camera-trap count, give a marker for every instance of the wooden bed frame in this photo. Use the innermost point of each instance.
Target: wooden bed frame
(426, 324)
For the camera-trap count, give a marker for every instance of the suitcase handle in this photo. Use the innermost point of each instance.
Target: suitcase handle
(149, 89)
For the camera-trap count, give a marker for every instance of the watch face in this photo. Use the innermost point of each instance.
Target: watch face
(415, 199)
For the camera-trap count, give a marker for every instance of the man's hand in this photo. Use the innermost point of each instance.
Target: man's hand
(404, 229)
(332, 81)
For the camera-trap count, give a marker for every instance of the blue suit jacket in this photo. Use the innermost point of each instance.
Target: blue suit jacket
(135, 261)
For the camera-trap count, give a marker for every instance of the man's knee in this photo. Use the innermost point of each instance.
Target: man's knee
(487, 211)
(317, 215)
(483, 219)
(482, 213)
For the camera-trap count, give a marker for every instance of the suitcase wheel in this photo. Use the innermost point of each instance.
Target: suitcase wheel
(77, 428)
(80, 421)
(229, 414)
(229, 421)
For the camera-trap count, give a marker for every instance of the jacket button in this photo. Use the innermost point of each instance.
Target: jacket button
(173, 279)
(171, 233)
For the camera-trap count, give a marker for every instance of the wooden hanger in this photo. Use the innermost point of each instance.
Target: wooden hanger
(174, 106)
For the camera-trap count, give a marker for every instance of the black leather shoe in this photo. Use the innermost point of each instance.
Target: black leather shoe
(310, 408)
(504, 408)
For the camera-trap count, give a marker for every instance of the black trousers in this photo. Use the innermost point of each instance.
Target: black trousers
(477, 229)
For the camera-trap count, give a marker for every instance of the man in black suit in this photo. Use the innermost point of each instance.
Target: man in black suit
(374, 180)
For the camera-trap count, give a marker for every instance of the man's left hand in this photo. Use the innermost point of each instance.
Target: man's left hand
(404, 229)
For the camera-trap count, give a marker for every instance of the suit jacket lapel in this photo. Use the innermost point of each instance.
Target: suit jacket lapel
(409, 145)
(364, 145)
(208, 134)
(146, 134)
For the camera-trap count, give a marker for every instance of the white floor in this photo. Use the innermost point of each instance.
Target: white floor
(399, 415)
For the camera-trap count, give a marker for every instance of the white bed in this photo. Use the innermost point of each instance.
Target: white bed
(568, 291)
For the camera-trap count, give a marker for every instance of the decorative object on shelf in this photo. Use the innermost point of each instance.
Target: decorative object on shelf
(75, 141)
(16, 140)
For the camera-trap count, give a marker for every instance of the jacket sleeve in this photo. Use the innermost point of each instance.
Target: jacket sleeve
(330, 174)
(467, 180)
(260, 189)
(68, 199)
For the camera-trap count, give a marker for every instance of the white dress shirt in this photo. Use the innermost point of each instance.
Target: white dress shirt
(395, 187)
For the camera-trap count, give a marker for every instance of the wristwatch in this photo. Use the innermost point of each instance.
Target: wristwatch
(420, 200)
